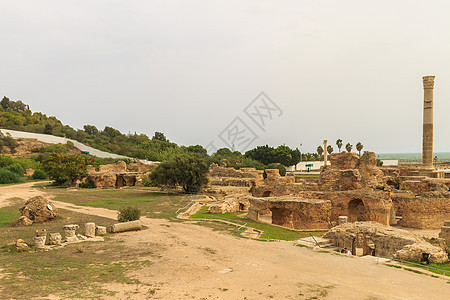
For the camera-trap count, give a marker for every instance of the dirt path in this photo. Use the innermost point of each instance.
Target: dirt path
(23, 191)
(195, 262)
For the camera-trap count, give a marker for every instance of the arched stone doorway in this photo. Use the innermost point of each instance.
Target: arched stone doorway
(356, 211)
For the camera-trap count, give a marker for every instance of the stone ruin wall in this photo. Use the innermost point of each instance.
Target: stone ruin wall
(343, 184)
(370, 238)
(244, 177)
(348, 171)
(118, 175)
(427, 211)
(293, 212)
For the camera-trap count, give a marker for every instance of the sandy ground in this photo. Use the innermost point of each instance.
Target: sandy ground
(23, 191)
(194, 262)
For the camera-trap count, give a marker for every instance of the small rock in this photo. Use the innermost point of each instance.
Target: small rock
(71, 239)
(100, 230)
(225, 271)
(55, 238)
(24, 221)
(82, 237)
(39, 241)
(21, 245)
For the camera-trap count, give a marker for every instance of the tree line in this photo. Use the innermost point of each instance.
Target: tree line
(339, 144)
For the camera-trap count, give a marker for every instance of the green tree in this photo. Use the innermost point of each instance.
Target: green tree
(90, 129)
(348, 147)
(66, 168)
(330, 149)
(268, 155)
(159, 136)
(339, 144)
(359, 147)
(197, 150)
(5, 103)
(48, 129)
(184, 170)
(319, 150)
(111, 132)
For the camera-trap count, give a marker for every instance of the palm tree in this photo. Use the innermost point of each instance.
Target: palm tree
(349, 147)
(339, 144)
(330, 149)
(319, 150)
(359, 147)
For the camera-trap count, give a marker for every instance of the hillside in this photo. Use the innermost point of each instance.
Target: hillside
(16, 115)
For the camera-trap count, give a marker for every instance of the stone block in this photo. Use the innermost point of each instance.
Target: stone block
(343, 220)
(39, 241)
(24, 221)
(89, 230)
(71, 239)
(126, 226)
(100, 230)
(54, 238)
(70, 230)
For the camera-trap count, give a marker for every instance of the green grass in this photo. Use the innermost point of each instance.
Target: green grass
(66, 272)
(152, 204)
(8, 214)
(274, 232)
(442, 266)
(77, 270)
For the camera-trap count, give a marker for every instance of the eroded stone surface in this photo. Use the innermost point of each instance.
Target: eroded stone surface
(38, 209)
(291, 212)
(89, 230)
(379, 240)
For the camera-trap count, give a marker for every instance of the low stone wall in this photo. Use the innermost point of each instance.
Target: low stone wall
(293, 212)
(427, 211)
(218, 171)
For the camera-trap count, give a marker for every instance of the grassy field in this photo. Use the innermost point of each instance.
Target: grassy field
(271, 231)
(152, 204)
(442, 266)
(77, 270)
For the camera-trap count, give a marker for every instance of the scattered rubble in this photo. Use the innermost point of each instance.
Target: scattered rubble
(38, 209)
(24, 221)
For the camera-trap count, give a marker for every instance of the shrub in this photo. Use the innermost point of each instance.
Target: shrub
(65, 168)
(184, 170)
(16, 168)
(250, 163)
(87, 185)
(6, 176)
(5, 161)
(146, 181)
(129, 214)
(39, 174)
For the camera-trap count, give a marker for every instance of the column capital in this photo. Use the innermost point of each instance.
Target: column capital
(428, 82)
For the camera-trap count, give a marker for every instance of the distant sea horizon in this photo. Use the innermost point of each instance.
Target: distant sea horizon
(441, 156)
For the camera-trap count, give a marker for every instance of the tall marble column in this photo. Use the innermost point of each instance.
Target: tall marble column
(427, 141)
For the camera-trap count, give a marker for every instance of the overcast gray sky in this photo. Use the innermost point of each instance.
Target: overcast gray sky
(336, 69)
